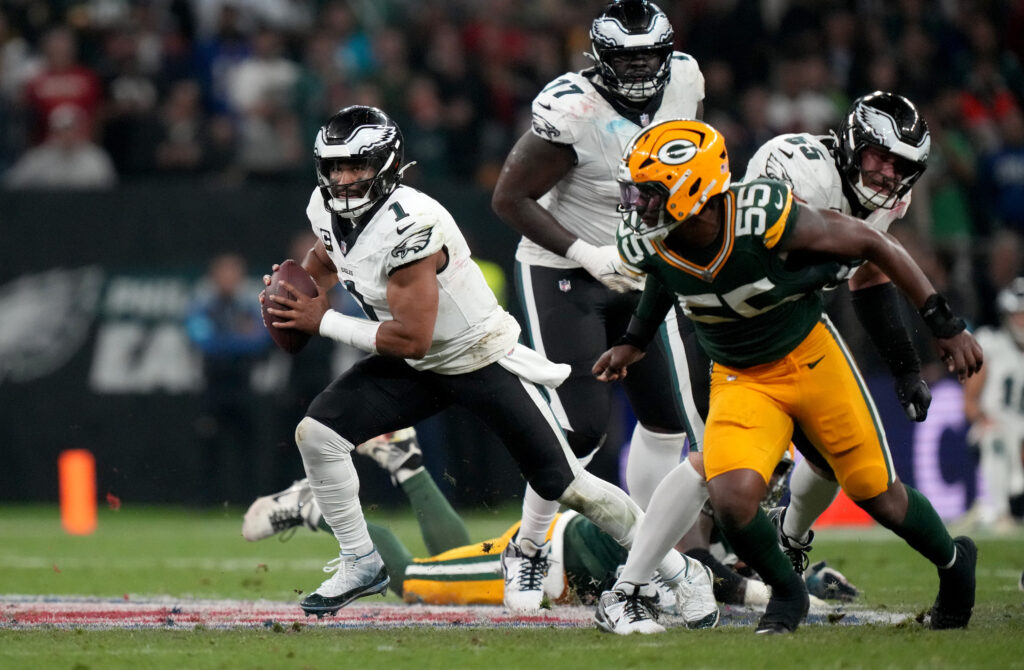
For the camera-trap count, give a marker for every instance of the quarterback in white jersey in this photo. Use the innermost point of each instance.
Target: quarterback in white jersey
(994, 404)
(558, 189)
(440, 339)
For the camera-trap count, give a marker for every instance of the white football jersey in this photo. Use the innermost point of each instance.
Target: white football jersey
(471, 330)
(1002, 396)
(570, 110)
(806, 164)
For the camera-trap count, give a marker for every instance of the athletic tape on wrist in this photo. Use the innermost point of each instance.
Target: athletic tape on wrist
(359, 333)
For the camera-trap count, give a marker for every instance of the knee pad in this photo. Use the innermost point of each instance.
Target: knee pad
(315, 440)
(866, 482)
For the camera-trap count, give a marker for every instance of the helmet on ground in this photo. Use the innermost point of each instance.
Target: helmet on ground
(668, 173)
(362, 138)
(891, 124)
(627, 29)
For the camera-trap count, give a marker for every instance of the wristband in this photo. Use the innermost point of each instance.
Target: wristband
(359, 333)
(940, 318)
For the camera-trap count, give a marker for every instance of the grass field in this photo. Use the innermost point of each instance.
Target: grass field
(140, 552)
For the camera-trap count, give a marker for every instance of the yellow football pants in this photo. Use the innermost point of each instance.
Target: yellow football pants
(817, 385)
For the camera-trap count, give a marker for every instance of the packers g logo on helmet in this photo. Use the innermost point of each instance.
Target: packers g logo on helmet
(684, 162)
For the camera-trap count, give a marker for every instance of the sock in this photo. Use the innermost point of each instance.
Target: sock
(810, 494)
(672, 511)
(757, 544)
(651, 455)
(394, 554)
(327, 458)
(924, 531)
(441, 526)
(729, 587)
(538, 515)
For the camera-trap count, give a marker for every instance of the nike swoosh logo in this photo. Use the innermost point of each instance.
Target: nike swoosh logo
(787, 154)
(402, 230)
(547, 107)
(815, 363)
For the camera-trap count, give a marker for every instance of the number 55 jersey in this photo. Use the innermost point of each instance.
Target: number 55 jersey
(749, 304)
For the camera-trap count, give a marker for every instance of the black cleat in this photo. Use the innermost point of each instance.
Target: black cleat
(955, 602)
(784, 614)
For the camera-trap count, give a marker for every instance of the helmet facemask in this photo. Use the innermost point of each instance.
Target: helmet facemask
(668, 173)
(1010, 302)
(889, 124)
(632, 43)
(364, 141)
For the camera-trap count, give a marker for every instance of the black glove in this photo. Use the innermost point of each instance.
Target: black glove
(914, 395)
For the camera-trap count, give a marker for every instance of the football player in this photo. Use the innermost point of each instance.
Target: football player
(994, 405)
(558, 189)
(747, 262)
(584, 559)
(438, 338)
(866, 170)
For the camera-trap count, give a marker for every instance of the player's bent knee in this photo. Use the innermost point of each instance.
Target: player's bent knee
(550, 485)
(866, 482)
(314, 439)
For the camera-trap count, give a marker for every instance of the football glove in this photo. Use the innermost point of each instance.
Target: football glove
(913, 395)
(605, 265)
(829, 584)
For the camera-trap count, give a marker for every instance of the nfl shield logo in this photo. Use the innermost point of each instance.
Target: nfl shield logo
(344, 247)
(564, 286)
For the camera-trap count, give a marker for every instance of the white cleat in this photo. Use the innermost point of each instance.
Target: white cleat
(695, 595)
(393, 452)
(354, 577)
(276, 513)
(524, 566)
(629, 608)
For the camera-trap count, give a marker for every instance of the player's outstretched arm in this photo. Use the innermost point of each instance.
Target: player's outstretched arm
(832, 233)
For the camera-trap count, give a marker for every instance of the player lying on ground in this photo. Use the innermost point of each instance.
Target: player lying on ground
(584, 560)
(747, 263)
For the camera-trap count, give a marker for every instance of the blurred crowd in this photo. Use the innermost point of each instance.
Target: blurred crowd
(97, 92)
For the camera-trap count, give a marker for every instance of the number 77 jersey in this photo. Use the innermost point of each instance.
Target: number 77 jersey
(749, 303)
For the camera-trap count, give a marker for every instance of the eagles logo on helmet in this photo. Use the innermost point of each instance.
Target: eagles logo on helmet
(1010, 302)
(630, 28)
(891, 124)
(363, 138)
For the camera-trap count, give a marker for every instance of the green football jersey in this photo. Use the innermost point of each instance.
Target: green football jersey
(746, 305)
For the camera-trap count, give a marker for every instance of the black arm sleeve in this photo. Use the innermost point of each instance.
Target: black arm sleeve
(649, 314)
(879, 311)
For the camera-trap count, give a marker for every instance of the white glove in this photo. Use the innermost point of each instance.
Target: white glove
(605, 265)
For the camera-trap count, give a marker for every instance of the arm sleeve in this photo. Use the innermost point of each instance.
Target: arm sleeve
(879, 310)
(650, 312)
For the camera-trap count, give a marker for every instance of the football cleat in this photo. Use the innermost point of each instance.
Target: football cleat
(524, 566)
(394, 452)
(354, 577)
(795, 550)
(629, 608)
(273, 514)
(955, 602)
(784, 614)
(695, 595)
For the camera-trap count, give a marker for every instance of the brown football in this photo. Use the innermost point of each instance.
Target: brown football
(289, 339)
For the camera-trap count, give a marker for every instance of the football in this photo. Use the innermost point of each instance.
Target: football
(288, 339)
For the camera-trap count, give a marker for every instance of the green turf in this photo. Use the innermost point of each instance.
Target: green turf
(151, 551)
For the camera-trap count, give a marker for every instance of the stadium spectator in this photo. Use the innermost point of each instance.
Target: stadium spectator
(62, 80)
(68, 159)
(226, 327)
